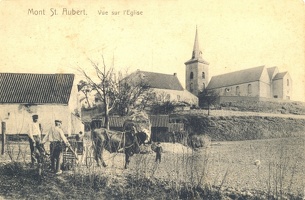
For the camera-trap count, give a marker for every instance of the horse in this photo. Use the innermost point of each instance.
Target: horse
(114, 141)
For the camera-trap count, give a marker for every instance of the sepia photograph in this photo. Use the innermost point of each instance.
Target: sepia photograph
(172, 99)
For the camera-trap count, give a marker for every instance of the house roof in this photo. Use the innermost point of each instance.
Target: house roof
(279, 75)
(238, 77)
(161, 81)
(159, 120)
(35, 88)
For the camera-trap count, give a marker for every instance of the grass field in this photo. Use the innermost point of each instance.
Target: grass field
(275, 166)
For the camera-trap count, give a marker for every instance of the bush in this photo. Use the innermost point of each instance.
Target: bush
(12, 168)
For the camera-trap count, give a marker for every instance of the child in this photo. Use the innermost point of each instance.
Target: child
(158, 152)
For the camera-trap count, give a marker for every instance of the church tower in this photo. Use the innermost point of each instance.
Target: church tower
(196, 70)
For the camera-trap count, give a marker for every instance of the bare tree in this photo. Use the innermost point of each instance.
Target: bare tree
(113, 90)
(106, 87)
(133, 94)
(208, 98)
(85, 88)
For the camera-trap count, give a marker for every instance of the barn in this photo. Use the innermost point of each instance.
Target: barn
(50, 96)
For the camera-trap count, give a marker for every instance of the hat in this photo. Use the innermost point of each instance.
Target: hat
(35, 116)
(58, 121)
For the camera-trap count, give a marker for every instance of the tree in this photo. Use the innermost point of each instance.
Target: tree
(133, 94)
(85, 88)
(110, 89)
(208, 98)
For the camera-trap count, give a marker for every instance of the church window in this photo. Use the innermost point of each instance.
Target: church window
(287, 82)
(203, 75)
(237, 91)
(191, 75)
(249, 89)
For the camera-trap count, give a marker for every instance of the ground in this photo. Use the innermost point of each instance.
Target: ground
(231, 167)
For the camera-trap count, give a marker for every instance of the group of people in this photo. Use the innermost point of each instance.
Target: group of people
(55, 136)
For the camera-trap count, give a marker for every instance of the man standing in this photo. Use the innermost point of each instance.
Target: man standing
(158, 152)
(56, 136)
(34, 136)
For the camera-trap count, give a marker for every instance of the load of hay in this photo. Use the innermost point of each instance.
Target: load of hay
(140, 120)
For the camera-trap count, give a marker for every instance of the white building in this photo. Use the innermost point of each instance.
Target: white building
(50, 96)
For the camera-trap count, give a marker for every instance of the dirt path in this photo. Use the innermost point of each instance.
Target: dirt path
(240, 113)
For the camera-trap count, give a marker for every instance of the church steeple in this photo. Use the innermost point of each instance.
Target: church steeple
(196, 70)
(196, 50)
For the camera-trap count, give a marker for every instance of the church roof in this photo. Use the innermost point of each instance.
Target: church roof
(161, 81)
(237, 77)
(271, 71)
(35, 88)
(280, 75)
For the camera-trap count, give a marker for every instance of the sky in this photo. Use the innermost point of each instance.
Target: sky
(233, 35)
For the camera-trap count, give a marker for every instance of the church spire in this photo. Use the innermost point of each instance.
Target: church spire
(196, 50)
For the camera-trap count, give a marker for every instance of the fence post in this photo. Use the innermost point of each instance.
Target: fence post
(3, 130)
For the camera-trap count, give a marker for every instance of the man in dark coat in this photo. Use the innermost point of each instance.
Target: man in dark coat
(159, 150)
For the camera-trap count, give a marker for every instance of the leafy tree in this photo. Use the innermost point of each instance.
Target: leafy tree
(208, 98)
(166, 107)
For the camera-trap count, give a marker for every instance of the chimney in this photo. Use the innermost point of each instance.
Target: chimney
(175, 74)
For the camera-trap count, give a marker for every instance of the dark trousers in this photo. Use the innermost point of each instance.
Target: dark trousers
(158, 157)
(56, 155)
(32, 148)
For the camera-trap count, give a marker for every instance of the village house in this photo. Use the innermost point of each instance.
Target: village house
(164, 87)
(257, 83)
(50, 96)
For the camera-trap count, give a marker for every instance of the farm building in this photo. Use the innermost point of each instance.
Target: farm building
(50, 96)
(257, 83)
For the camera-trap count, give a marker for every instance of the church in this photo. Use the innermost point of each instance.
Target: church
(253, 84)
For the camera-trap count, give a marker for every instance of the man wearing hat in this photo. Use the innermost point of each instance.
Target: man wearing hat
(56, 136)
(34, 136)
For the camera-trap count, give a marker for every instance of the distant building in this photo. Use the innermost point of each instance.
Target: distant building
(50, 96)
(164, 87)
(250, 84)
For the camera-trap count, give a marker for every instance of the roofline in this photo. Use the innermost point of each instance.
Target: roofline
(37, 73)
(284, 73)
(231, 85)
(37, 104)
(239, 71)
(154, 72)
(196, 60)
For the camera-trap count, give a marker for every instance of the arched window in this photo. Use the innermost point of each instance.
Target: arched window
(203, 75)
(237, 91)
(191, 75)
(191, 87)
(287, 82)
(249, 89)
